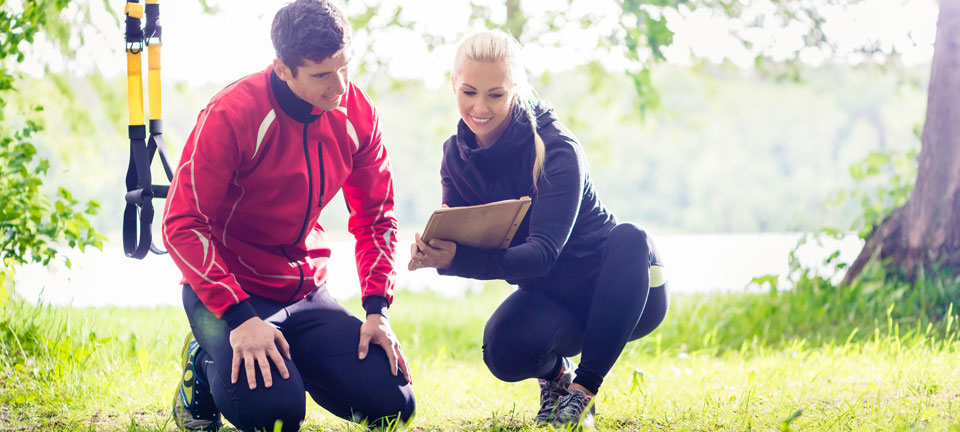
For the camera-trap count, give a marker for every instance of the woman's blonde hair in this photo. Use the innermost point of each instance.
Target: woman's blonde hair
(499, 47)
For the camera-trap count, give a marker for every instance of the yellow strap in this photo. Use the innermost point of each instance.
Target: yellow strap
(153, 1)
(134, 10)
(134, 89)
(153, 76)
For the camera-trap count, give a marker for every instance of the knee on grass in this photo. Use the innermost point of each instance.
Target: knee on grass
(389, 409)
(263, 414)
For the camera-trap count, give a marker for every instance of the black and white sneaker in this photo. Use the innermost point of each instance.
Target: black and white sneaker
(576, 409)
(552, 390)
(193, 406)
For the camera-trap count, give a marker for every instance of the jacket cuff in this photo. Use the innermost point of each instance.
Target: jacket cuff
(238, 314)
(464, 260)
(375, 304)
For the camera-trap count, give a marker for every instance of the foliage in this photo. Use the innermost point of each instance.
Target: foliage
(784, 146)
(924, 304)
(882, 183)
(878, 299)
(631, 35)
(660, 171)
(31, 223)
(22, 27)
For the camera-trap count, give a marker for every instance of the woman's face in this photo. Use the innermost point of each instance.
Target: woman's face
(484, 97)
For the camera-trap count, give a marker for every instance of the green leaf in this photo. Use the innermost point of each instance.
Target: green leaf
(877, 159)
(856, 172)
(658, 35)
(785, 425)
(4, 296)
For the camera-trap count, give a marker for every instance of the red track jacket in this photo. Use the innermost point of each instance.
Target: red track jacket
(259, 166)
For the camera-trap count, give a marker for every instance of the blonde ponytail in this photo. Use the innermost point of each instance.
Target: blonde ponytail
(499, 47)
(538, 147)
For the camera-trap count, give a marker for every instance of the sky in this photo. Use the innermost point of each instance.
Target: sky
(218, 48)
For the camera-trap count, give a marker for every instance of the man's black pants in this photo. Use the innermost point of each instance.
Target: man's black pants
(323, 338)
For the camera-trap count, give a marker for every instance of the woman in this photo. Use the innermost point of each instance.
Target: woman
(587, 284)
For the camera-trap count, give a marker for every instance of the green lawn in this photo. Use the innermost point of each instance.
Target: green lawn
(719, 362)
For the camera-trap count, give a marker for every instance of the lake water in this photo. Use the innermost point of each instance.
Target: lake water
(695, 264)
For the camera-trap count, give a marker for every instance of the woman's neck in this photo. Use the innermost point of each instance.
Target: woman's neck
(484, 141)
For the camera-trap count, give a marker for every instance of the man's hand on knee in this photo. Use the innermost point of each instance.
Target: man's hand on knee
(377, 329)
(253, 342)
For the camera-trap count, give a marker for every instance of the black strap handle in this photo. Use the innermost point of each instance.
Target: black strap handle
(139, 211)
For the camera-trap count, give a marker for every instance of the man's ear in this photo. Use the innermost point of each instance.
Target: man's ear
(282, 70)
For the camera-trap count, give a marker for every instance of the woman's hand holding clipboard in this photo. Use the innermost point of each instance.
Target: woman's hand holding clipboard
(484, 226)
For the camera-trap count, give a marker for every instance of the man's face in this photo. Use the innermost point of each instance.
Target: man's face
(321, 84)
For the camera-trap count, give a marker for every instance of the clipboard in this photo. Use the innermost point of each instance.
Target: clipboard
(484, 226)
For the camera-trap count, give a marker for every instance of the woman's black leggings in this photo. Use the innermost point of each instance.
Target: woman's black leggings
(597, 314)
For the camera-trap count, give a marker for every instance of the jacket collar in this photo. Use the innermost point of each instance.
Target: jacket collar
(298, 109)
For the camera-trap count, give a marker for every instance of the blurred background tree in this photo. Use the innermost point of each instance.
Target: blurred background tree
(32, 223)
(924, 234)
(713, 144)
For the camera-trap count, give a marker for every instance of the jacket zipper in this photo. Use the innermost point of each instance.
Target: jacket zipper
(306, 217)
(299, 286)
(306, 156)
(320, 162)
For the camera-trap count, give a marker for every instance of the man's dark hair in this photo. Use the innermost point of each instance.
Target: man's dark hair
(309, 29)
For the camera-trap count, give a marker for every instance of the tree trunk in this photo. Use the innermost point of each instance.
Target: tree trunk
(515, 18)
(926, 230)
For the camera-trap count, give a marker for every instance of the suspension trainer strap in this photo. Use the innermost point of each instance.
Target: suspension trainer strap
(139, 211)
(152, 35)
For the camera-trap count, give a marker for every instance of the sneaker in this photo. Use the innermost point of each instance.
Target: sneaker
(551, 390)
(575, 409)
(193, 406)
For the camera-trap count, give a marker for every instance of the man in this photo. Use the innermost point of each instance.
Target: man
(266, 155)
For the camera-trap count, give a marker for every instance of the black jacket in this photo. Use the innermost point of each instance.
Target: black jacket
(566, 227)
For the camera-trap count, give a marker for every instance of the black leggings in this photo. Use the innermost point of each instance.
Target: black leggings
(596, 314)
(323, 338)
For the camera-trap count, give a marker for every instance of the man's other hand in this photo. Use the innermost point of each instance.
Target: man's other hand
(253, 342)
(377, 329)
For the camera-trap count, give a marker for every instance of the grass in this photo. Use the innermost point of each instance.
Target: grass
(812, 358)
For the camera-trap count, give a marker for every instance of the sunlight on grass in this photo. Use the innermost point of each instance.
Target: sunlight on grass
(116, 369)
